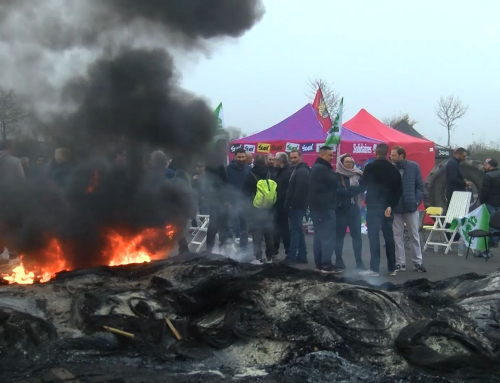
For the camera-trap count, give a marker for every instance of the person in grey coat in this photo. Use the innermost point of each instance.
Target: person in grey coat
(11, 174)
(11, 169)
(406, 212)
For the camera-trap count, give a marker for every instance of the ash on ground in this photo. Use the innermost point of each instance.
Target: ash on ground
(247, 323)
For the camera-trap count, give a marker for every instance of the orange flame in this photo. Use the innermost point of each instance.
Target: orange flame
(123, 251)
(94, 182)
(120, 250)
(41, 274)
(170, 231)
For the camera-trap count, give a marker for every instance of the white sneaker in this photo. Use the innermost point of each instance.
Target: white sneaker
(400, 267)
(368, 273)
(268, 261)
(237, 240)
(257, 262)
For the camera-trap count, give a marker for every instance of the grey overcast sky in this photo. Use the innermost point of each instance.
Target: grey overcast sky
(386, 56)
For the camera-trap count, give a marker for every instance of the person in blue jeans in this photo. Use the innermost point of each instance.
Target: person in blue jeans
(322, 199)
(384, 189)
(490, 191)
(296, 204)
(237, 172)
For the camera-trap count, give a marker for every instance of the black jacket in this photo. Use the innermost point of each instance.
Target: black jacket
(348, 192)
(323, 184)
(490, 191)
(413, 188)
(237, 175)
(217, 185)
(273, 171)
(59, 172)
(454, 178)
(250, 184)
(296, 195)
(282, 181)
(383, 184)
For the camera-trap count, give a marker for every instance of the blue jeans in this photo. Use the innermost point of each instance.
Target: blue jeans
(240, 226)
(349, 217)
(376, 220)
(324, 225)
(492, 210)
(297, 240)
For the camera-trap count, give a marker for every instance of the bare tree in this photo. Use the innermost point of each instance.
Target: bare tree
(10, 111)
(449, 110)
(397, 118)
(331, 97)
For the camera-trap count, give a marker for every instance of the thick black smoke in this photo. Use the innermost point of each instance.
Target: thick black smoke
(135, 95)
(98, 73)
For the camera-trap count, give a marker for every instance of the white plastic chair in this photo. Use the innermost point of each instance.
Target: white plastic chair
(459, 207)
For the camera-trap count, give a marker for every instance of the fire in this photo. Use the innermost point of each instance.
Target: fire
(170, 231)
(120, 250)
(123, 251)
(42, 274)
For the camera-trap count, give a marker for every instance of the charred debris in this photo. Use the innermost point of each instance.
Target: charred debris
(238, 321)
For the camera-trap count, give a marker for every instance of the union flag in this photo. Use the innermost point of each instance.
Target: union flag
(319, 106)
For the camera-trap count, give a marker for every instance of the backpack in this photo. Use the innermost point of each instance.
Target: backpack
(266, 195)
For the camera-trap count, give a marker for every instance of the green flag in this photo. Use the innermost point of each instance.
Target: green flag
(219, 115)
(478, 219)
(220, 133)
(333, 137)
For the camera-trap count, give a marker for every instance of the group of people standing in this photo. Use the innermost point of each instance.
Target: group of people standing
(394, 191)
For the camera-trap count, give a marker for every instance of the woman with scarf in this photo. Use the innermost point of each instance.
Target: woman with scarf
(348, 212)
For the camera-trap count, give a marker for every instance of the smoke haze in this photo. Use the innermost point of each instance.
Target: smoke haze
(98, 73)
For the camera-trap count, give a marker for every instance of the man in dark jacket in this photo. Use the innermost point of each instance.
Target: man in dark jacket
(383, 192)
(217, 185)
(454, 179)
(59, 168)
(237, 172)
(490, 191)
(200, 185)
(260, 220)
(281, 229)
(296, 204)
(322, 198)
(271, 168)
(406, 211)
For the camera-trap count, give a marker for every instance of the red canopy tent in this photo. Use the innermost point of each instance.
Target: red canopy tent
(417, 149)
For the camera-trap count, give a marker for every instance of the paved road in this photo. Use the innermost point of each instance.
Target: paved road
(439, 265)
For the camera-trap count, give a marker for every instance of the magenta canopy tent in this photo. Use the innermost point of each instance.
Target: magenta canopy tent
(300, 127)
(300, 131)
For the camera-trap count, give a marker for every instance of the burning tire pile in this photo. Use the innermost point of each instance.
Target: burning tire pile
(236, 321)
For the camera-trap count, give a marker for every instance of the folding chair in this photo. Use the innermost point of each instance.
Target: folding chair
(430, 211)
(458, 208)
(495, 224)
(199, 233)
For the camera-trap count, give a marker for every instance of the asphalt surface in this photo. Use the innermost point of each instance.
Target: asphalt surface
(439, 265)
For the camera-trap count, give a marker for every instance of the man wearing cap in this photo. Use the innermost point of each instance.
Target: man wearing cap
(490, 191)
